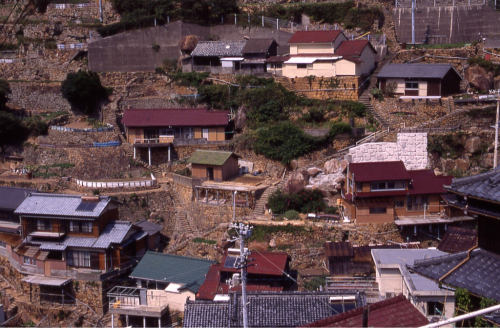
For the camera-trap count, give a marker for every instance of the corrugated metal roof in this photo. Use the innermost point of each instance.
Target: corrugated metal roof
(188, 271)
(70, 241)
(257, 46)
(149, 227)
(219, 49)
(314, 36)
(379, 171)
(338, 249)
(47, 281)
(164, 117)
(410, 71)
(59, 205)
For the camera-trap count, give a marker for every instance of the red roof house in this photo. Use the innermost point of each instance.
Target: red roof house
(316, 36)
(394, 312)
(266, 272)
(386, 192)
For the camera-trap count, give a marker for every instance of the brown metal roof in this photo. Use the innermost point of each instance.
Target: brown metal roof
(338, 249)
(370, 202)
(257, 46)
(458, 240)
(10, 239)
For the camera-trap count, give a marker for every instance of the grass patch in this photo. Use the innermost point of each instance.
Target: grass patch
(204, 241)
(261, 232)
(50, 116)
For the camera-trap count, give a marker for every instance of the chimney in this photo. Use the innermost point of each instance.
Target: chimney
(366, 313)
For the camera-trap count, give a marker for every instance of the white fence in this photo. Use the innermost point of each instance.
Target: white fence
(72, 46)
(72, 5)
(109, 128)
(116, 184)
(437, 3)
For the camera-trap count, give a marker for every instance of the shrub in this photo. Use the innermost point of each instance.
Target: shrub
(191, 79)
(353, 109)
(314, 283)
(486, 64)
(292, 215)
(330, 210)
(186, 172)
(35, 126)
(160, 70)
(156, 47)
(390, 89)
(314, 115)
(12, 129)
(377, 94)
(339, 128)
(4, 93)
(204, 241)
(83, 90)
(305, 201)
(284, 141)
(96, 192)
(50, 44)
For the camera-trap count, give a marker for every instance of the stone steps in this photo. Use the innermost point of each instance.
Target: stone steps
(259, 208)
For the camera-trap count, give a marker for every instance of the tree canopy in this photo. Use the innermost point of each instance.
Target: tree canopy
(4, 93)
(83, 90)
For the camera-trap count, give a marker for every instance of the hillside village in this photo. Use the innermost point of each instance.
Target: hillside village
(228, 163)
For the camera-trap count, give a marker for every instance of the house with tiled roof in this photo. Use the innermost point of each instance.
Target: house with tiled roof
(272, 309)
(327, 54)
(163, 283)
(161, 129)
(386, 192)
(153, 231)
(65, 237)
(394, 312)
(255, 54)
(458, 239)
(216, 57)
(267, 273)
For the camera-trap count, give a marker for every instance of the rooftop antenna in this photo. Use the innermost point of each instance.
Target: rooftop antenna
(244, 232)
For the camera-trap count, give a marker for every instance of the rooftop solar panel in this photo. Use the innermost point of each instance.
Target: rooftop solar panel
(87, 206)
(230, 261)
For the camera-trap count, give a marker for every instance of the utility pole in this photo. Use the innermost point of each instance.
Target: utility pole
(412, 21)
(244, 232)
(497, 121)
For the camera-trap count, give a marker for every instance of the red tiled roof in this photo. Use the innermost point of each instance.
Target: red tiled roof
(379, 171)
(269, 263)
(458, 240)
(353, 48)
(213, 286)
(426, 182)
(314, 36)
(161, 117)
(394, 312)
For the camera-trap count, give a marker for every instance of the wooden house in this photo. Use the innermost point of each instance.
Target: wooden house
(420, 80)
(218, 166)
(255, 53)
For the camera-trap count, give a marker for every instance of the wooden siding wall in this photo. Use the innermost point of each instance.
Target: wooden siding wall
(215, 133)
(450, 84)
(230, 168)
(199, 171)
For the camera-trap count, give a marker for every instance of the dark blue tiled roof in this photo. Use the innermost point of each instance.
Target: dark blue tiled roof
(480, 275)
(485, 185)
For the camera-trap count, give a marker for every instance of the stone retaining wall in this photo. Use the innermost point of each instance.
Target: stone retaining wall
(345, 87)
(38, 96)
(411, 148)
(405, 56)
(75, 138)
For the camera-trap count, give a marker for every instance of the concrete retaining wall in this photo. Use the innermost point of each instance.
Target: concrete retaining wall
(447, 24)
(411, 148)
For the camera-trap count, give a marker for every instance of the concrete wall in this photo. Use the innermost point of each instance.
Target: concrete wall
(132, 51)
(389, 281)
(411, 148)
(447, 24)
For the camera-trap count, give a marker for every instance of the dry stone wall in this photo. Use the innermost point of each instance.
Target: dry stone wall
(437, 56)
(346, 87)
(38, 96)
(411, 148)
(65, 138)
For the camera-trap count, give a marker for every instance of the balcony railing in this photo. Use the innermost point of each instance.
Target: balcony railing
(160, 140)
(417, 207)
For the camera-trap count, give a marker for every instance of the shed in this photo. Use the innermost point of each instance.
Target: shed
(420, 80)
(214, 165)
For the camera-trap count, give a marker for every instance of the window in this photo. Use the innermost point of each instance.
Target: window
(277, 65)
(359, 186)
(411, 85)
(29, 260)
(435, 308)
(188, 132)
(399, 203)
(77, 226)
(78, 258)
(392, 185)
(301, 65)
(378, 210)
(43, 225)
(417, 203)
(166, 132)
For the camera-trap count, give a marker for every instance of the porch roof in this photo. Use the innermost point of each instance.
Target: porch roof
(46, 281)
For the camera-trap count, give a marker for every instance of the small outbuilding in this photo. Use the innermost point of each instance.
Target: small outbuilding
(218, 166)
(420, 80)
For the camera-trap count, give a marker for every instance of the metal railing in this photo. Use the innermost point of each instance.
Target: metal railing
(72, 5)
(437, 3)
(417, 207)
(159, 140)
(72, 46)
(109, 128)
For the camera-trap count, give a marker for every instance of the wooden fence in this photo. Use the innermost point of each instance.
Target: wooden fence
(182, 180)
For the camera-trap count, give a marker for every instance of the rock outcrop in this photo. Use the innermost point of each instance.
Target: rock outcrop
(479, 78)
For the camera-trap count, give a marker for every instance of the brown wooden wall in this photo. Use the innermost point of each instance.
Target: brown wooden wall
(230, 168)
(215, 133)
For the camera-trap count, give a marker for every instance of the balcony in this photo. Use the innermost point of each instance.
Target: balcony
(137, 301)
(417, 207)
(154, 142)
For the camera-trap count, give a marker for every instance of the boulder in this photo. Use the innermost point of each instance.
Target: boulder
(188, 43)
(473, 144)
(479, 78)
(313, 171)
(272, 242)
(240, 120)
(334, 166)
(297, 181)
(327, 182)
(487, 160)
(462, 165)
(447, 164)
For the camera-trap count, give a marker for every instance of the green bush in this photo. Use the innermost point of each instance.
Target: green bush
(83, 90)
(186, 172)
(353, 109)
(285, 142)
(314, 115)
(377, 94)
(36, 126)
(12, 129)
(156, 47)
(50, 45)
(292, 215)
(339, 128)
(191, 79)
(449, 145)
(305, 201)
(262, 233)
(315, 283)
(330, 210)
(486, 64)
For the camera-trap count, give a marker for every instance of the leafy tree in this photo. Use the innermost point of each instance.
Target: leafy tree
(4, 93)
(83, 90)
(484, 303)
(12, 129)
(304, 201)
(35, 126)
(284, 141)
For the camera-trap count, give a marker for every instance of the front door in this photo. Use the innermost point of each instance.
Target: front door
(210, 173)
(205, 134)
